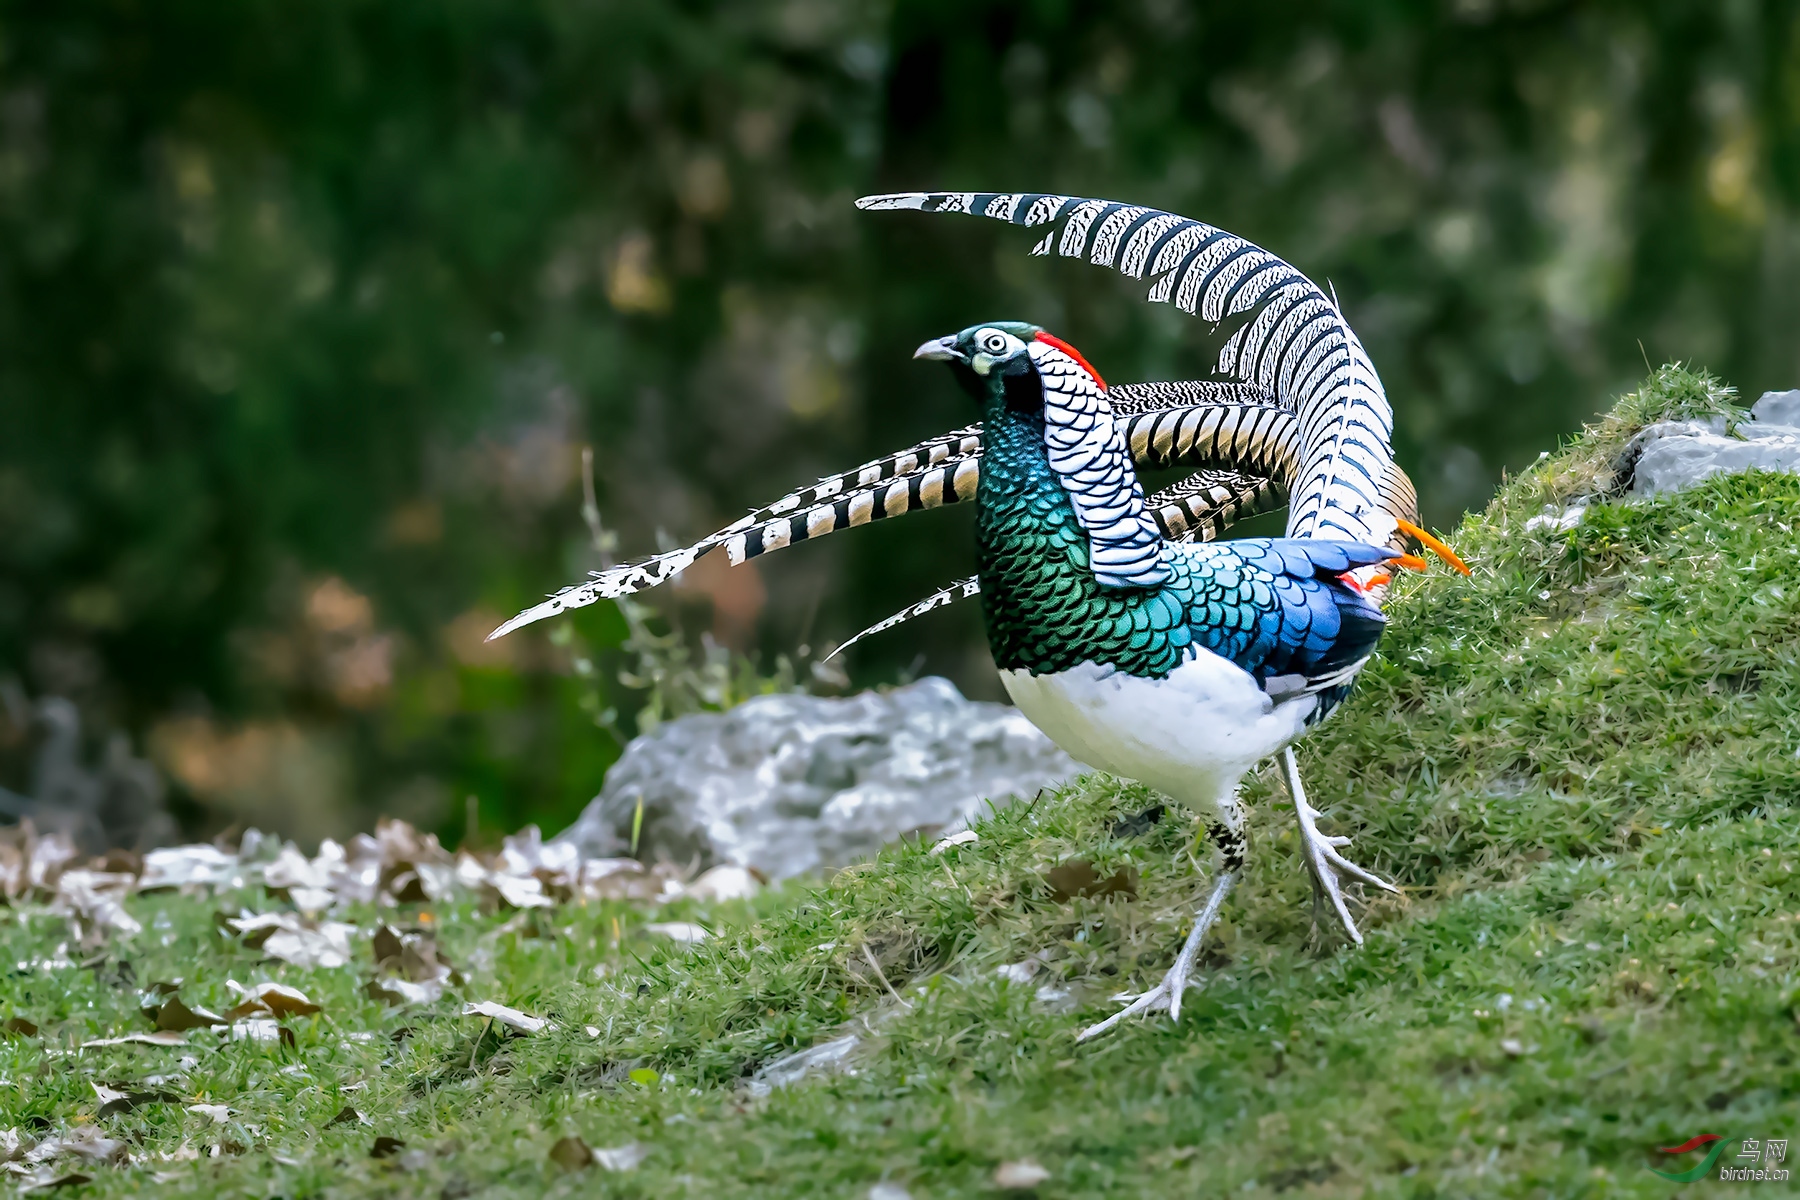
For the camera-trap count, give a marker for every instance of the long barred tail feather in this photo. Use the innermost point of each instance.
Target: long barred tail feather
(1159, 395)
(962, 589)
(1205, 425)
(1200, 507)
(1258, 439)
(1295, 343)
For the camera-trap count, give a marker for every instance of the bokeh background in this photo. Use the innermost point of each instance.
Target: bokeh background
(307, 310)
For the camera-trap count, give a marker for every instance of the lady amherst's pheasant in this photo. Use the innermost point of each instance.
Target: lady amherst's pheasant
(1180, 666)
(1176, 664)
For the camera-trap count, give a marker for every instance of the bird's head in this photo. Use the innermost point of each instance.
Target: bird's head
(994, 363)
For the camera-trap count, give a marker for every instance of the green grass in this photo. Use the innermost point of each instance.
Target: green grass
(1581, 764)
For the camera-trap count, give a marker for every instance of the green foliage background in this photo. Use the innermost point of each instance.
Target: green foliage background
(306, 309)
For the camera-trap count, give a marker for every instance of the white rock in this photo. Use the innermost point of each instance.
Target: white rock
(724, 882)
(1778, 408)
(792, 783)
(1678, 454)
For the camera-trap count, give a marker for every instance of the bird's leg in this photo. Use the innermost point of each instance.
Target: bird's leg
(1168, 993)
(1323, 862)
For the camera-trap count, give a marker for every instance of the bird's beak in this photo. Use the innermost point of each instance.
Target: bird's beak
(940, 350)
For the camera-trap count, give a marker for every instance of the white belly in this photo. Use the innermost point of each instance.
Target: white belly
(1192, 735)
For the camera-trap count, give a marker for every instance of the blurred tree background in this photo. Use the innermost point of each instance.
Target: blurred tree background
(306, 310)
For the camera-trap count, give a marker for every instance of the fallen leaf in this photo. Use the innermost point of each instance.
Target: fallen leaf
(19, 1027)
(165, 1037)
(967, 837)
(402, 991)
(282, 1000)
(218, 1114)
(325, 945)
(84, 1141)
(512, 1018)
(312, 900)
(516, 892)
(347, 1116)
(265, 1032)
(175, 1016)
(1512, 1047)
(1077, 877)
(622, 1158)
(177, 866)
(678, 931)
(386, 944)
(13, 1144)
(72, 1179)
(1025, 1173)
(251, 1007)
(644, 1076)
(386, 1147)
(571, 1154)
(113, 1101)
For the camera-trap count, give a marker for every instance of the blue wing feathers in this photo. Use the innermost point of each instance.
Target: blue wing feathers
(1275, 606)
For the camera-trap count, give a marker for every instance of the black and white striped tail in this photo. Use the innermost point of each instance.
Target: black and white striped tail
(1294, 343)
(1227, 430)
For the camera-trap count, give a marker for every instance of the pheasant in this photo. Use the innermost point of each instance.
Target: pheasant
(1300, 415)
(1179, 665)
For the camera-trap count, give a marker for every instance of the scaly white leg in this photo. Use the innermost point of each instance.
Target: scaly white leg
(1323, 861)
(1167, 994)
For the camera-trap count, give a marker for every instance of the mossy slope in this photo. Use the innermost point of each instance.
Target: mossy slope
(1580, 763)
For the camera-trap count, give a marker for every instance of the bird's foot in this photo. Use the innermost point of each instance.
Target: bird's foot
(1323, 862)
(1168, 993)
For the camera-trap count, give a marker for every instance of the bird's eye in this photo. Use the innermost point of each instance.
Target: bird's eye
(993, 343)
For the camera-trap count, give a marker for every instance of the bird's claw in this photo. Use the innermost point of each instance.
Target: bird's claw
(1168, 993)
(1323, 862)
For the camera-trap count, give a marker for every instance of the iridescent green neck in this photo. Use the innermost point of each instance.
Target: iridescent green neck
(1037, 591)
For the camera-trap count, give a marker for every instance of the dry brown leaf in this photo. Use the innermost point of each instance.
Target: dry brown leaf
(386, 1147)
(1077, 877)
(19, 1027)
(571, 1154)
(402, 991)
(277, 998)
(347, 1116)
(113, 1101)
(176, 1016)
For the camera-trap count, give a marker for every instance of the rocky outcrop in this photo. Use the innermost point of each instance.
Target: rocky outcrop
(1677, 454)
(791, 783)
